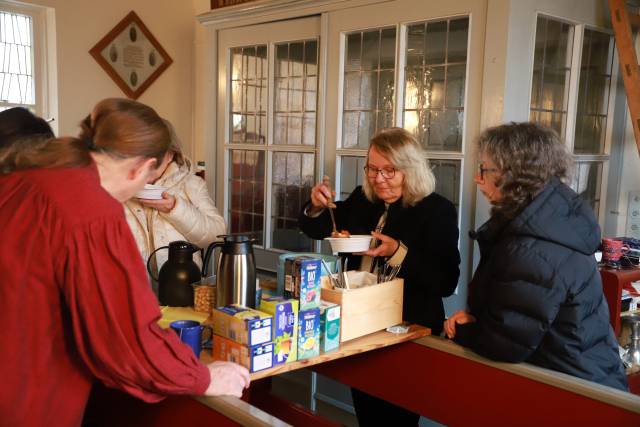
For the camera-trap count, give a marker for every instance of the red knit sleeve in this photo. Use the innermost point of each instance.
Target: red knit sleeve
(114, 314)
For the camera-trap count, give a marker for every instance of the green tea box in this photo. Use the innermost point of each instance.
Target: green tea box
(285, 327)
(329, 326)
(309, 333)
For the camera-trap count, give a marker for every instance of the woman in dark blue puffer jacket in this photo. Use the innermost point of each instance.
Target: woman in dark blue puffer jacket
(536, 295)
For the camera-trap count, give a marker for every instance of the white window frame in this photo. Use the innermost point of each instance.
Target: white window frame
(572, 103)
(266, 256)
(43, 59)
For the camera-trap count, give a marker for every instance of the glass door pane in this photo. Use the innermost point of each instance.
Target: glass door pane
(435, 74)
(249, 94)
(270, 101)
(593, 94)
(246, 189)
(551, 74)
(369, 82)
(290, 189)
(296, 88)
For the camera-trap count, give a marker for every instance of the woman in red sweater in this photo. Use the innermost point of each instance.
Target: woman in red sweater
(74, 295)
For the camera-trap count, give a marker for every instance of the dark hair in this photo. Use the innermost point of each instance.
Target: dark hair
(527, 156)
(18, 122)
(35, 151)
(175, 145)
(120, 128)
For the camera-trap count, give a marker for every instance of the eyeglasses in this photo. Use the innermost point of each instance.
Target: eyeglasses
(482, 170)
(372, 172)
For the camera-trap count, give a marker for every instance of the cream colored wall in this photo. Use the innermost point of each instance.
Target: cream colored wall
(80, 24)
(629, 181)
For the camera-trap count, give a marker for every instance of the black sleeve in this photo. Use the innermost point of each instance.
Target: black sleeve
(433, 258)
(317, 228)
(522, 302)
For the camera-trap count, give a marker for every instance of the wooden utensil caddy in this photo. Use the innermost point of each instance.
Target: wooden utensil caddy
(367, 309)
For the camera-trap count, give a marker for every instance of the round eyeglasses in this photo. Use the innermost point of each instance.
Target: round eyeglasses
(372, 172)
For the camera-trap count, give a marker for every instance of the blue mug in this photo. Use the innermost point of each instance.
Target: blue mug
(190, 333)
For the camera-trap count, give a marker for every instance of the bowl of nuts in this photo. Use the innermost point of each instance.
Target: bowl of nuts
(204, 294)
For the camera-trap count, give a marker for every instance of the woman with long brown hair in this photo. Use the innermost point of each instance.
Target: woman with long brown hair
(74, 295)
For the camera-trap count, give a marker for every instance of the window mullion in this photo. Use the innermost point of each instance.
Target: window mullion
(401, 45)
(270, 146)
(574, 86)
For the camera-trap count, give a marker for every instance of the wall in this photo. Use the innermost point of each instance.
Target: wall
(625, 173)
(80, 24)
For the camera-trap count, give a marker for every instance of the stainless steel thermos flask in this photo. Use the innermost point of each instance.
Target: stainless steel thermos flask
(236, 272)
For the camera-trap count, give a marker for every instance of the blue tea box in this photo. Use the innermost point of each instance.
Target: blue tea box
(302, 281)
(285, 327)
(329, 326)
(309, 333)
(242, 324)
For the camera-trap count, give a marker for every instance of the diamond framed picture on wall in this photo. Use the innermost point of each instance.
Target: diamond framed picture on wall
(131, 56)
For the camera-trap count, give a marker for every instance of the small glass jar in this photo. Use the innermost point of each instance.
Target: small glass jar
(204, 295)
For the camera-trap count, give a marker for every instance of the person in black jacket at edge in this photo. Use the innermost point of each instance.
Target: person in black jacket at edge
(411, 225)
(536, 295)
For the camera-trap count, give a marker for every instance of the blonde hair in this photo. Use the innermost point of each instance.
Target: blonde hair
(402, 149)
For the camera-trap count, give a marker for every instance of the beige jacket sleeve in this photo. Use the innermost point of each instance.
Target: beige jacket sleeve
(194, 214)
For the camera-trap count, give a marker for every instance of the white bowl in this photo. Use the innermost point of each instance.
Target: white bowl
(354, 243)
(151, 192)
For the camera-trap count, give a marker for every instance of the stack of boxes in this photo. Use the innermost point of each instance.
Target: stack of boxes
(294, 326)
(302, 282)
(243, 336)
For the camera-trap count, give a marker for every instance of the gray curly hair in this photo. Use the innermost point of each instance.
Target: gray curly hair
(527, 156)
(406, 154)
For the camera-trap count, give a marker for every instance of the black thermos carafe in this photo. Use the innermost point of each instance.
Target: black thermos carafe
(177, 275)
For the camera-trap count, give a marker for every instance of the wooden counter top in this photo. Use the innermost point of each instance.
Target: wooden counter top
(363, 344)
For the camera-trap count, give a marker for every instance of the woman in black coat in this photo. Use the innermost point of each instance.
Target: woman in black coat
(536, 295)
(419, 231)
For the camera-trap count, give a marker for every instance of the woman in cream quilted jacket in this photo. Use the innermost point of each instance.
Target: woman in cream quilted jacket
(185, 212)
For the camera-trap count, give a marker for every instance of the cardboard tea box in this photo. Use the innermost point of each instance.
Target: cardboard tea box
(302, 281)
(254, 358)
(309, 333)
(242, 324)
(329, 326)
(285, 327)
